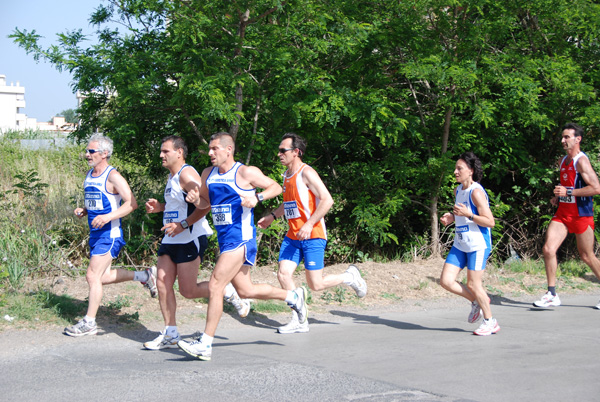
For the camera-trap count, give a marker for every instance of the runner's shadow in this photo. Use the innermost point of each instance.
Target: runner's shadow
(110, 320)
(179, 355)
(367, 319)
(260, 320)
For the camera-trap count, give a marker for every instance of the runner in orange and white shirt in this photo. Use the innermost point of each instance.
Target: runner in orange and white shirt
(306, 200)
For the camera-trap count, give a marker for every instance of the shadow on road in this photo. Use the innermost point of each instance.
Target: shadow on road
(368, 319)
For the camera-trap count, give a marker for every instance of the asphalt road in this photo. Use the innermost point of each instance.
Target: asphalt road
(421, 352)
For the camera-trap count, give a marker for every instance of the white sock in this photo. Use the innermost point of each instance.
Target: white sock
(206, 340)
(229, 290)
(291, 297)
(348, 278)
(89, 320)
(141, 276)
(171, 331)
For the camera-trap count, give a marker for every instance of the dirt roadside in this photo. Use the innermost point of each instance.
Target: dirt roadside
(397, 285)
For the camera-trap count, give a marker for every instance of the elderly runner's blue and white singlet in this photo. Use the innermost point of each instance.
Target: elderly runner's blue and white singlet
(468, 235)
(178, 209)
(98, 201)
(233, 222)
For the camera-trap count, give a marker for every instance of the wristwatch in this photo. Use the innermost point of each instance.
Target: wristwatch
(260, 197)
(569, 192)
(184, 224)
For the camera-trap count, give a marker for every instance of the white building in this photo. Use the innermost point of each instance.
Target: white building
(12, 100)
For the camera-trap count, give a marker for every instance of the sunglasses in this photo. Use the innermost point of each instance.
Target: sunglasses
(92, 151)
(284, 150)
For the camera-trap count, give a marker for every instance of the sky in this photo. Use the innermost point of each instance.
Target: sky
(47, 91)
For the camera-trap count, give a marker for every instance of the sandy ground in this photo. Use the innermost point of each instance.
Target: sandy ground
(390, 285)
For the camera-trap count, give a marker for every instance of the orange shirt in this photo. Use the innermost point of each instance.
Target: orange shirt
(299, 205)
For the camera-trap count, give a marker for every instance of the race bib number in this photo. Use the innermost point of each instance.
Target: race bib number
(221, 214)
(93, 201)
(291, 210)
(170, 217)
(568, 199)
(462, 234)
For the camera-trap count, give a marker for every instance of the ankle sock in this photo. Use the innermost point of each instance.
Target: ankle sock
(141, 276)
(348, 278)
(229, 290)
(552, 290)
(206, 340)
(291, 297)
(171, 331)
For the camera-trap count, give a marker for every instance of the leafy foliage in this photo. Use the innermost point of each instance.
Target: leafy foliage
(386, 93)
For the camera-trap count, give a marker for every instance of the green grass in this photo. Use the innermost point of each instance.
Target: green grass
(268, 306)
(573, 268)
(391, 296)
(41, 307)
(119, 303)
(336, 294)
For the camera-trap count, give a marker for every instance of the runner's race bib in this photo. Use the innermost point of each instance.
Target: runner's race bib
(462, 234)
(221, 214)
(93, 201)
(291, 210)
(568, 199)
(170, 217)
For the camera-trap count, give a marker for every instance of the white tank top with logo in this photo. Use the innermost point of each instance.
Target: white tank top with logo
(469, 236)
(178, 209)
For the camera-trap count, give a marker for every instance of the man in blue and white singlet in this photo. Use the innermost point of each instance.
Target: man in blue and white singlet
(108, 198)
(229, 188)
(185, 240)
(472, 242)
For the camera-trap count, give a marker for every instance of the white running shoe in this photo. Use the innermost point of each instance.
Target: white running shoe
(547, 300)
(151, 282)
(294, 326)
(358, 283)
(299, 306)
(82, 328)
(241, 305)
(196, 349)
(487, 327)
(476, 312)
(162, 341)
(597, 306)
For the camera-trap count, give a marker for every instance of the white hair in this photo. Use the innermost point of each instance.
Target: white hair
(104, 143)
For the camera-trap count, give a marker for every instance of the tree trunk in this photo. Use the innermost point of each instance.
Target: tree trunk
(433, 206)
(239, 92)
(249, 155)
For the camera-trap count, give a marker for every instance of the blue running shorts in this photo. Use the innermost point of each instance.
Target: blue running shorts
(312, 251)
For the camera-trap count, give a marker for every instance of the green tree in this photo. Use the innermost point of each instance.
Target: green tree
(70, 116)
(387, 94)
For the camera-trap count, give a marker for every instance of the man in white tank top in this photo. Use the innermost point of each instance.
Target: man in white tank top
(183, 246)
(108, 198)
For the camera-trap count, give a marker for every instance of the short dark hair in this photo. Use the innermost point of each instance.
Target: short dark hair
(298, 142)
(228, 138)
(473, 163)
(572, 126)
(178, 143)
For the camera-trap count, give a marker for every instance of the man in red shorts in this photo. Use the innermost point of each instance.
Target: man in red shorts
(575, 213)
